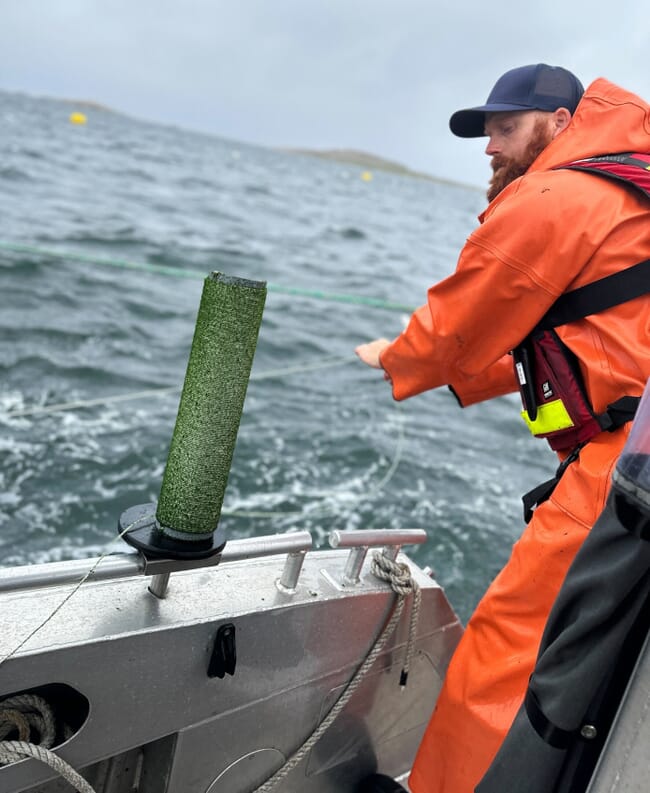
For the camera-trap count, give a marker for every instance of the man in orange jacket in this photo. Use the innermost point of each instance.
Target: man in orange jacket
(548, 231)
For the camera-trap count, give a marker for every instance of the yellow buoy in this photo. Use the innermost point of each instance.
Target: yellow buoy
(77, 118)
(366, 176)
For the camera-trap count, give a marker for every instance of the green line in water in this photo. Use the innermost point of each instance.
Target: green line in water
(179, 272)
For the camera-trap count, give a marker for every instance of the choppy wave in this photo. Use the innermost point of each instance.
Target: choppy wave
(15, 175)
(318, 448)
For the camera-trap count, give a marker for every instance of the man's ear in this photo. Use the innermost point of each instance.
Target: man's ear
(561, 119)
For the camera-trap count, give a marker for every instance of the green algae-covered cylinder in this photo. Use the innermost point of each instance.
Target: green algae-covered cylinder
(218, 370)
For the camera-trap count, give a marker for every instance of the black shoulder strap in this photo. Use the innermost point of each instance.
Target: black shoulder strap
(598, 296)
(633, 169)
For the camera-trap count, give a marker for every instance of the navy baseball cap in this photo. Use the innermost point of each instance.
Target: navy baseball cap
(535, 87)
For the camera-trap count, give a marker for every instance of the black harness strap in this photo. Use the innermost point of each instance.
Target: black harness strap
(598, 296)
(538, 495)
(617, 414)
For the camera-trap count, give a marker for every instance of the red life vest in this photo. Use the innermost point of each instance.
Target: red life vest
(556, 406)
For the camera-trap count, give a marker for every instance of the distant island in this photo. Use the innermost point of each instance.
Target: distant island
(362, 159)
(370, 162)
(88, 104)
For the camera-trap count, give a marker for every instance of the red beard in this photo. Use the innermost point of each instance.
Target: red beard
(506, 169)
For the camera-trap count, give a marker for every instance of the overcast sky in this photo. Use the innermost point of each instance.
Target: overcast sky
(382, 76)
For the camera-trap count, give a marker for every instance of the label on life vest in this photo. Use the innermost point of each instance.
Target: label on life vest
(521, 375)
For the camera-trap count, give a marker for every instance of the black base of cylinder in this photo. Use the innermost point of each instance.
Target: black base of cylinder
(148, 538)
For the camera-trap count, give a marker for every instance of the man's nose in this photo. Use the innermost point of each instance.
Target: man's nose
(492, 148)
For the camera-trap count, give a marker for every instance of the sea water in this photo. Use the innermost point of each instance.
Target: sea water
(106, 232)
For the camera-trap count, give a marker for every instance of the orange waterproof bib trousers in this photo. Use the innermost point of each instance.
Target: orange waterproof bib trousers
(488, 674)
(546, 234)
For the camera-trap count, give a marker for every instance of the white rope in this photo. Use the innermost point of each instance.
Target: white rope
(400, 578)
(75, 589)
(60, 407)
(323, 363)
(13, 751)
(398, 575)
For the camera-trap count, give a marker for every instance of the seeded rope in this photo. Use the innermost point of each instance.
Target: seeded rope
(218, 370)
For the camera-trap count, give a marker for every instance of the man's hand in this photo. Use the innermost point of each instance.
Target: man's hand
(369, 353)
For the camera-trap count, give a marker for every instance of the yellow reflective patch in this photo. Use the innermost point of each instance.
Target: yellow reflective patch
(551, 417)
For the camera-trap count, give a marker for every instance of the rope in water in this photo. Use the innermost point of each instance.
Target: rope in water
(60, 407)
(162, 391)
(323, 363)
(324, 510)
(180, 272)
(403, 584)
(237, 512)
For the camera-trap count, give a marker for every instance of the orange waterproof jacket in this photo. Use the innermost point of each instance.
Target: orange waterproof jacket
(548, 232)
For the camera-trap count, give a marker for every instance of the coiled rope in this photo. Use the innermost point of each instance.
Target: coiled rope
(32, 719)
(23, 710)
(399, 576)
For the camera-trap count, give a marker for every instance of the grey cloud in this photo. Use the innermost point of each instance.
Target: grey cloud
(381, 76)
